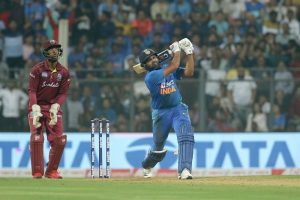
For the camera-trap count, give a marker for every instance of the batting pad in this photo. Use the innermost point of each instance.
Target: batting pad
(56, 151)
(185, 153)
(153, 158)
(37, 153)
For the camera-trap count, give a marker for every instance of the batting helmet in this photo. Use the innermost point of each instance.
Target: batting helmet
(49, 45)
(145, 55)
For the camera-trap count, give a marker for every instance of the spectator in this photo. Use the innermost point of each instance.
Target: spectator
(204, 61)
(232, 73)
(257, 120)
(107, 111)
(83, 20)
(13, 42)
(132, 58)
(160, 7)
(282, 101)
(255, 7)
(122, 124)
(278, 119)
(108, 6)
(36, 55)
(214, 77)
(271, 25)
(14, 102)
(104, 27)
(284, 35)
(179, 22)
(294, 112)
(293, 23)
(220, 23)
(295, 64)
(217, 6)
(142, 23)
(123, 21)
(88, 99)
(236, 9)
(264, 104)
(4, 70)
(35, 10)
(283, 79)
(77, 55)
(117, 58)
(180, 6)
(242, 93)
(28, 47)
(262, 75)
(75, 112)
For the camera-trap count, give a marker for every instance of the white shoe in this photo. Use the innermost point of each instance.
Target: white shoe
(148, 173)
(185, 174)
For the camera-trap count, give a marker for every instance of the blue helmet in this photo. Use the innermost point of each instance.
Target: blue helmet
(145, 55)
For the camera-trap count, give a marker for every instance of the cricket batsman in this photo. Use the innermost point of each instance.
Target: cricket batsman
(168, 110)
(48, 85)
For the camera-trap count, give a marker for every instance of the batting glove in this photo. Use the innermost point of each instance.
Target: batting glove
(186, 45)
(36, 114)
(174, 47)
(53, 114)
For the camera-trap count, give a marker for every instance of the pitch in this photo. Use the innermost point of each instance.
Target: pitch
(208, 188)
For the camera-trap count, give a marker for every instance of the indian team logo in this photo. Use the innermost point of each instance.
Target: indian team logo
(44, 74)
(167, 87)
(59, 76)
(147, 52)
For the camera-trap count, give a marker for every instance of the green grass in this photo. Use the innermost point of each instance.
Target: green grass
(212, 188)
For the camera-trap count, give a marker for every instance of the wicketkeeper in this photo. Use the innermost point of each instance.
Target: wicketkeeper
(168, 110)
(48, 85)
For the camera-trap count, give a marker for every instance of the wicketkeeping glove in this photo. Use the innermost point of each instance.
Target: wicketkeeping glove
(53, 113)
(36, 114)
(174, 47)
(186, 45)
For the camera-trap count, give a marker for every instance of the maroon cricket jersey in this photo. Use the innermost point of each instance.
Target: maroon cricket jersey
(47, 87)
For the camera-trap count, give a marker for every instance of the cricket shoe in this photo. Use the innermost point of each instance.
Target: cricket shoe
(37, 175)
(148, 173)
(185, 174)
(53, 174)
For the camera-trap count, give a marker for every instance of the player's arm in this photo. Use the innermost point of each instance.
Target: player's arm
(189, 66)
(186, 45)
(34, 81)
(175, 62)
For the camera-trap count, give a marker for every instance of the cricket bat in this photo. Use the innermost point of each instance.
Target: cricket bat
(162, 56)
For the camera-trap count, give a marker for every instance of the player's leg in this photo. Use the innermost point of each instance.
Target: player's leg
(57, 144)
(185, 137)
(36, 148)
(161, 128)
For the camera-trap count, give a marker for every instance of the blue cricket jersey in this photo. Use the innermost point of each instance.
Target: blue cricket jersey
(163, 90)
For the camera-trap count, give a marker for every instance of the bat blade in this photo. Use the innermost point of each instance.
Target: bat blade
(139, 69)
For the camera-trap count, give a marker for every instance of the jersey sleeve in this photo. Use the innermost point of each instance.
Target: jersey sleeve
(63, 89)
(178, 74)
(34, 80)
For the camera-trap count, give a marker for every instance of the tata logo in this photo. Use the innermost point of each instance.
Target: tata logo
(139, 149)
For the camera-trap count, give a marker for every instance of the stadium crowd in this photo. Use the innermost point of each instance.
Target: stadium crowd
(247, 52)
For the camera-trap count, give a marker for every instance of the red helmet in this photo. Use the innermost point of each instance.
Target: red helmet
(49, 45)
